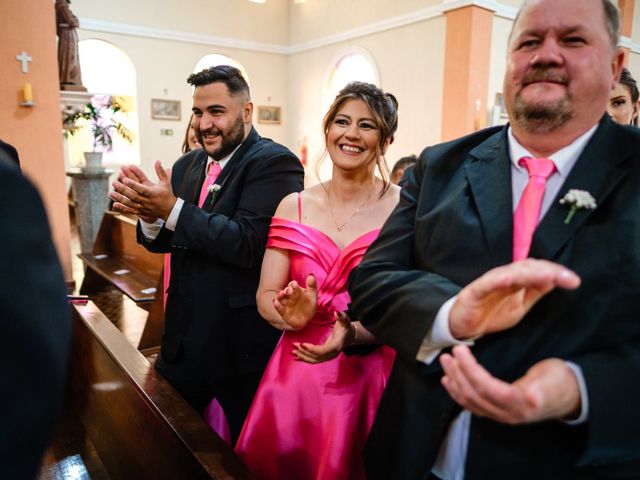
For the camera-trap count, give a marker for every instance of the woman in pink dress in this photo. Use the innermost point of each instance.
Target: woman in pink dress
(311, 421)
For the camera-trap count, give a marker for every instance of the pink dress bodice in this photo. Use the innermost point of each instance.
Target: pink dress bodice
(311, 421)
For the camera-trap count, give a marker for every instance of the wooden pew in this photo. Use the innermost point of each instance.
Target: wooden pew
(140, 426)
(118, 260)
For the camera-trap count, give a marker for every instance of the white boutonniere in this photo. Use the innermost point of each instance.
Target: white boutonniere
(213, 191)
(577, 200)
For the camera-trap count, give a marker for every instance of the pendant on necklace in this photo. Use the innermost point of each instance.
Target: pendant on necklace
(339, 228)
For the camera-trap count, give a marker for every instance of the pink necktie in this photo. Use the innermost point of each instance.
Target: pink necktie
(214, 171)
(525, 218)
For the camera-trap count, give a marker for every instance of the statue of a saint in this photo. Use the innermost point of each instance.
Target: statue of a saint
(68, 57)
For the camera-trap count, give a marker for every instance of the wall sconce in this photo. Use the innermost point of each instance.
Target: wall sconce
(27, 95)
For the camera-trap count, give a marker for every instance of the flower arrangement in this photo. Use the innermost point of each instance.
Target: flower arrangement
(577, 200)
(102, 114)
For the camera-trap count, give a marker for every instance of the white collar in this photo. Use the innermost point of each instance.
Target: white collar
(564, 159)
(222, 162)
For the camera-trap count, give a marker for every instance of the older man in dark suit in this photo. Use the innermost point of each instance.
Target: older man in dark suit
(547, 383)
(212, 212)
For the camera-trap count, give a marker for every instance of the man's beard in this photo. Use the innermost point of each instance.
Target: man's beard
(542, 116)
(230, 140)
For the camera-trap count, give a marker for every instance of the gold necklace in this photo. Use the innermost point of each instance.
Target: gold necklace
(340, 226)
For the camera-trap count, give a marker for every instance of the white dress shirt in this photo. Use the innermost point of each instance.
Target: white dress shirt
(453, 453)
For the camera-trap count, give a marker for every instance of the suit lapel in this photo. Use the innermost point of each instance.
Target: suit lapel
(489, 177)
(597, 171)
(231, 167)
(193, 177)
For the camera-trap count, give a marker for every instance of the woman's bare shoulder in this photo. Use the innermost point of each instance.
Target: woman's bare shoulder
(288, 207)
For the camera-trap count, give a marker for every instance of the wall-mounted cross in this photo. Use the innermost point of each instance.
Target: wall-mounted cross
(24, 59)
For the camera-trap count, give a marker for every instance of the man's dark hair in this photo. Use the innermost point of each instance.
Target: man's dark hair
(403, 163)
(230, 76)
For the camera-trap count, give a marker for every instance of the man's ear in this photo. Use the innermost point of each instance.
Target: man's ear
(616, 66)
(247, 112)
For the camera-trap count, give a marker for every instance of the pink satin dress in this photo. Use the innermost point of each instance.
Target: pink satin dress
(310, 421)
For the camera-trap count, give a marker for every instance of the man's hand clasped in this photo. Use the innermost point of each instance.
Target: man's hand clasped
(135, 194)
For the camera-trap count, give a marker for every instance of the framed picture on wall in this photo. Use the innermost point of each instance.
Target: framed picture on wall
(268, 114)
(165, 109)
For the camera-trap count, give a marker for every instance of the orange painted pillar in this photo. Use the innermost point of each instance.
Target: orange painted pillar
(36, 132)
(466, 71)
(626, 22)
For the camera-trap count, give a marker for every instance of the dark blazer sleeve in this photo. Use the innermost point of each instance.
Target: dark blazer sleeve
(36, 327)
(395, 300)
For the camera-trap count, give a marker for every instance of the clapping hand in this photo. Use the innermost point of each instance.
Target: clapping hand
(134, 193)
(333, 345)
(297, 305)
(497, 301)
(549, 390)
(500, 298)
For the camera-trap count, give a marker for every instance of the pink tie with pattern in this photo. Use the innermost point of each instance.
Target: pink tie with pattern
(526, 216)
(214, 171)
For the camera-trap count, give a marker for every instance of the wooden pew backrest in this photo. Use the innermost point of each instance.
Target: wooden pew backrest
(118, 259)
(141, 427)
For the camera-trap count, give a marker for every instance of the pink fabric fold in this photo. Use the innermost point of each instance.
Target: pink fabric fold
(311, 421)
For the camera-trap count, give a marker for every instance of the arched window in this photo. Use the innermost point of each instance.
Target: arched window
(107, 70)
(355, 63)
(215, 59)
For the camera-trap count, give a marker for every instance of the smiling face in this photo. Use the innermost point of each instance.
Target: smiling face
(561, 65)
(353, 137)
(221, 121)
(621, 107)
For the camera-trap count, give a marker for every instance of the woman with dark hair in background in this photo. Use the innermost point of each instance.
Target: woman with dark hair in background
(311, 421)
(623, 101)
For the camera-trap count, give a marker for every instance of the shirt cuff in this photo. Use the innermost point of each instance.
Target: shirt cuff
(172, 219)
(584, 397)
(439, 336)
(151, 230)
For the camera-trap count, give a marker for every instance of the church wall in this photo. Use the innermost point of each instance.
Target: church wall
(162, 67)
(410, 64)
(241, 19)
(498, 57)
(634, 56)
(316, 19)
(29, 25)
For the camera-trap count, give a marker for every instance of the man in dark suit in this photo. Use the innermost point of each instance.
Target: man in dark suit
(8, 152)
(36, 326)
(541, 382)
(215, 344)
